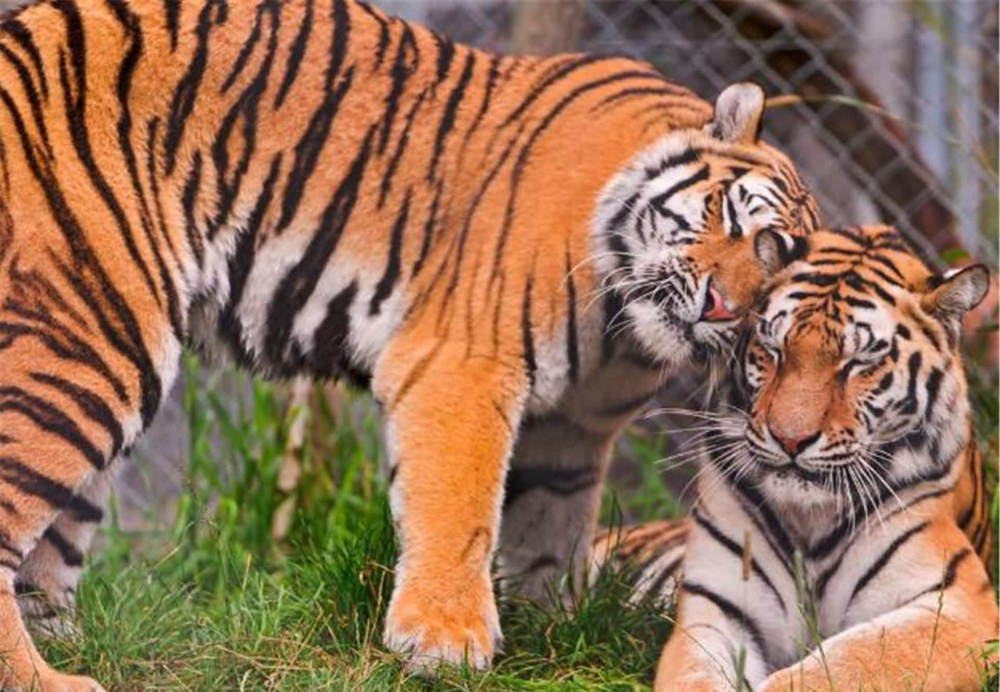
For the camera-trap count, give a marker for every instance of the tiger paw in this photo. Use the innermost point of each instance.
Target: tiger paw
(430, 626)
(52, 681)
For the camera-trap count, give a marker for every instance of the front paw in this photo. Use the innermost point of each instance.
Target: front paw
(430, 624)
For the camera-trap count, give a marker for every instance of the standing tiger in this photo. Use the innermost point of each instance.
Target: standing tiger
(841, 504)
(514, 252)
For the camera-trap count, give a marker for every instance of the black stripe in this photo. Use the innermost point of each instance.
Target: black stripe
(70, 554)
(383, 32)
(670, 570)
(299, 282)
(317, 131)
(229, 178)
(184, 95)
(737, 550)
(397, 154)
(16, 30)
(92, 406)
(405, 64)
(51, 419)
(554, 480)
(731, 611)
(666, 89)
(763, 517)
(572, 345)
(37, 485)
(425, 244)
(613, 311)
(65, 344)
(295, 54)
(446, 54)
(950, 573)
(152, 127)
(189, 197)
(884, 558)
(126, 71)
(933, 387)
(246, 49)
(330, 338)
(687, 156)
(571, 65)
(469, 215)
(383, 289)
(172, 10)
(33, 97)
(448, 119)
(491, 79)
(241, 261)
(527, 340)
(909, 402)
(698, 176)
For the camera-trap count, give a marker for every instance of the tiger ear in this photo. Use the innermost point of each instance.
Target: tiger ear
(737, 115)
(776, 250)
(954, 293)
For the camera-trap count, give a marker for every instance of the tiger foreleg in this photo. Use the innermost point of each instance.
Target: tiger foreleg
(552, 497)
(923, 645)
(707, 653)
(450, 426)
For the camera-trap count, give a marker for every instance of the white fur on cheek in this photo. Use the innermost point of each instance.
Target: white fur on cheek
(665, 342)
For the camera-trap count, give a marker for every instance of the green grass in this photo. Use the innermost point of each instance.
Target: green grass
(214, 603)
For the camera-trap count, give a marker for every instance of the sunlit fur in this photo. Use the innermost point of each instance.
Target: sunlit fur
(827, 540)
(313, 187)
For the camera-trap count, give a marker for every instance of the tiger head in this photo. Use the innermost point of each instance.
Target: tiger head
(683, 225)
(851, 377)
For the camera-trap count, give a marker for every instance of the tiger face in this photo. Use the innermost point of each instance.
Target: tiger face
(852, 375)
(682, 224)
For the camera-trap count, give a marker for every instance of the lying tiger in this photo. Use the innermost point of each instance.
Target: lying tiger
(512, 252)
(841, 505)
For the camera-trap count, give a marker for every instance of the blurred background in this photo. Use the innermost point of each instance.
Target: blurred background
(892, 117)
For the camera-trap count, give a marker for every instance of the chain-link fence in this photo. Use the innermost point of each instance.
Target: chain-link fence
(896, 120)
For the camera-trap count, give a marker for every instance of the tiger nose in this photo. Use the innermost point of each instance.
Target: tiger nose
(793, 444)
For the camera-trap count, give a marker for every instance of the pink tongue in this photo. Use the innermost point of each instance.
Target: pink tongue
(718, 311)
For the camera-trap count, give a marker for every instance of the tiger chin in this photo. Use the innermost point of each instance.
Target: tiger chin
(512, 252)
(841, 535)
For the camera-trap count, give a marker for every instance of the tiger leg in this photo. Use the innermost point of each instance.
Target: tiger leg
(653, 554)
(553, 494)
(46, 582)
(47, 452)
(937, 641)
(450, 422)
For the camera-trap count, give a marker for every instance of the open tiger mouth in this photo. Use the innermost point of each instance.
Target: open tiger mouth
(714, 308)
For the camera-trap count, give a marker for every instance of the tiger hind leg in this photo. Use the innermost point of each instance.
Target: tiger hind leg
(47, 580)
(39, 472)
(61, 422)
(650, 555)
(550, 508)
